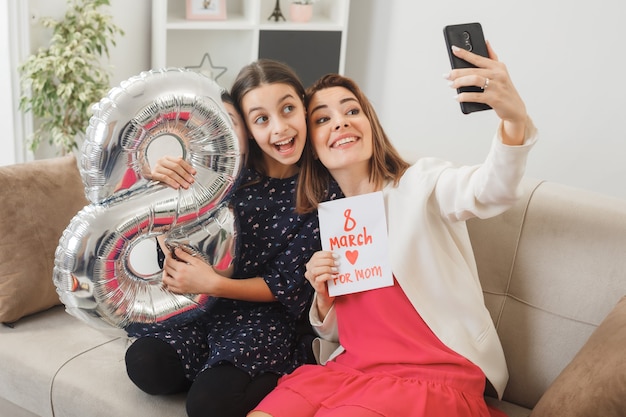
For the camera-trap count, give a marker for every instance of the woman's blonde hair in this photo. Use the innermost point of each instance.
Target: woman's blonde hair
(386, 163)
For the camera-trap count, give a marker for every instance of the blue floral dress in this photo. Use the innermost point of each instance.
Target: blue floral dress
(274, 243)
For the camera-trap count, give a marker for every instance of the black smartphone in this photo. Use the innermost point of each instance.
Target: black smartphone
(468, 36)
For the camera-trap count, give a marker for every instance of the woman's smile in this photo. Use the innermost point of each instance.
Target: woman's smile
(341, 141)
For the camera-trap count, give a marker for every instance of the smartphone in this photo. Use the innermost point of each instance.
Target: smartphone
(468, 36)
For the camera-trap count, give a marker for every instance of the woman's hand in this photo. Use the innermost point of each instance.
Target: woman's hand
(498, 91)
(321, 267)
(173, 171)
(187, 274)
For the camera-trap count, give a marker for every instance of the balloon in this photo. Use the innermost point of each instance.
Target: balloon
(93, 272)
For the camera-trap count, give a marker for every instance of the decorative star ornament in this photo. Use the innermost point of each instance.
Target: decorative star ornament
(207, 68)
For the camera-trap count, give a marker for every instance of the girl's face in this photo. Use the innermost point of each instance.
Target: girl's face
(276, 118)
(340, 132)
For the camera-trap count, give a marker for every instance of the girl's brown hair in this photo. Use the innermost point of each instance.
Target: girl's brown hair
(261, 72)
(386, 164)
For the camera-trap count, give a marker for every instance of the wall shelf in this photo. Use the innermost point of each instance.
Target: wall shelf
(247, 35)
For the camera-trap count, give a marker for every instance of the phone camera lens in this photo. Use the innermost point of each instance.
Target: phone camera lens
(466, 41)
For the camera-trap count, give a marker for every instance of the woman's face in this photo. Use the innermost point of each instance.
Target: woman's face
(276, 118)
(341, 134)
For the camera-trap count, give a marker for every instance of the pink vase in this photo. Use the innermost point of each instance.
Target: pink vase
(300, 12)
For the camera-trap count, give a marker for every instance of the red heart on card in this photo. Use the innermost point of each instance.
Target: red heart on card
(351, 256)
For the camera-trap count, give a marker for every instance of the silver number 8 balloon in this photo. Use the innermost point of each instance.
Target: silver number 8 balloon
(93, 274)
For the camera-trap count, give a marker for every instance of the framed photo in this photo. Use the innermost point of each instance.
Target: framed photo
(206, 9)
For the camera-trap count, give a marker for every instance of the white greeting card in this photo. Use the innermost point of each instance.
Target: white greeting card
(355, 228)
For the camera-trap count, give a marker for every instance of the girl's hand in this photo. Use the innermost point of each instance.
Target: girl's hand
(498, 91)
(321, 267)
(187, 274)
(173, 171)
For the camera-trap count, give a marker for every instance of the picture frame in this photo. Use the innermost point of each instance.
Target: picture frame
(206, 10)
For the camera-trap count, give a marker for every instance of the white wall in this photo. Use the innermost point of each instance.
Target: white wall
(565, 59)
(7, 107)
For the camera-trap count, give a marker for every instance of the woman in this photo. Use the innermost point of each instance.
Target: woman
(233, 355)
(424, 346)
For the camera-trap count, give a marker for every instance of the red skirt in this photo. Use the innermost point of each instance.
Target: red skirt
(393, 366)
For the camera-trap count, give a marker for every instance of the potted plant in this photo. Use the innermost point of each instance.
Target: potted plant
(301, 10)
(60, 83)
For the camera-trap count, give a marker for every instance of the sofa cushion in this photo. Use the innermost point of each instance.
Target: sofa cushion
(97, 381)
(52, 364)
(549, 292)
(33, 351)
(594, 382)
(38, 201)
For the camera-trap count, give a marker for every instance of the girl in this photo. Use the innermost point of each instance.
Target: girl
(424, 346)
(232, 356)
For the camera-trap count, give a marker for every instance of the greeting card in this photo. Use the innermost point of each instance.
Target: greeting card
(355, 228)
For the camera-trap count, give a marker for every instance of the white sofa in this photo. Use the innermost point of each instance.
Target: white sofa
(552, 268)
